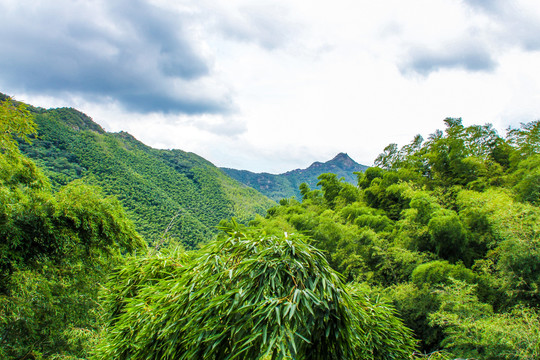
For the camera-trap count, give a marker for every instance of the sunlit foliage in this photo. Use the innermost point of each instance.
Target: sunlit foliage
(247, 295)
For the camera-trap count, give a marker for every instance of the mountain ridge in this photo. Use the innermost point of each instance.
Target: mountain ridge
(286, 185)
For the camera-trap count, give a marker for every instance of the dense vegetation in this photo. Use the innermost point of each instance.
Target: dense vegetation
(448, 229)
(55, 249)
(435, 250)
(287, 185)
(247, 295)
(161, 189)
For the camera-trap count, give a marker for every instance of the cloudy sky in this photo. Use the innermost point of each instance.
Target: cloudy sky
(275, 85)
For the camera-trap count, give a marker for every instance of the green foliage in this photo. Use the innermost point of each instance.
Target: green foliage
(55, 250)
(511, 231)
(76, 222)
(460, 206)
(443, 233)
(365, 178)
(472, 329)
(527, 179)
(393, 158)
(526, 139)
(331, 187)
(440, 272)
(51, 310)
(423, 207)
(15, 122)
(377, 223)
(247, 295)
(276, 187)
(447, 236)
(414, 305)
(472, 156)
(154, 186)
(384, 335)
(389, 158)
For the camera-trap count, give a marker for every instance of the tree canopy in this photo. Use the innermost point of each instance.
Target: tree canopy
(447, 228)
(247, 295)
(55, 248)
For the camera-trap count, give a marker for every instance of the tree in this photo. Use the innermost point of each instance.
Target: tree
(389, 158)
(526, 139)
(246, 296)
(330, 186)
(472, 329)
(15, 121)
(527, 177)
(448, 236)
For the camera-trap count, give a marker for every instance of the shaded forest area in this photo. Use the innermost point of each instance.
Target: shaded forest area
(435, 254)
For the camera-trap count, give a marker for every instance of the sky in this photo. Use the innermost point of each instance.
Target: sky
(271, 86)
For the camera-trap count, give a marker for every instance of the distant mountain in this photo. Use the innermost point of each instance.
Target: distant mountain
(286, 185)
(161, 189)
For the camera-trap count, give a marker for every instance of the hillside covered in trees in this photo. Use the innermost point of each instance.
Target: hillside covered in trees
(433, 254)
(162, 190)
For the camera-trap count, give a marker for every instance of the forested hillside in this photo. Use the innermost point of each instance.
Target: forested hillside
(286, 185)
(162, 190)
(433, 254)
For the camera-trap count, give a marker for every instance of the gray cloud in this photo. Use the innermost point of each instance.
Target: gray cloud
(478, 50)
(517, 26)
(470, 57)
(264, 25)
(522, 31)
(486, 5)
(143, 56)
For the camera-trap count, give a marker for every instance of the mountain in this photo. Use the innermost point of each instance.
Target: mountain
(286, 185)
(170, 191)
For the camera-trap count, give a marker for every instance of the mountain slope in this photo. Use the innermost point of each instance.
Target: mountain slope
(287, 184)
(161, 189)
